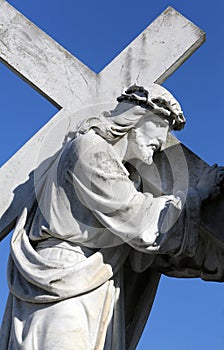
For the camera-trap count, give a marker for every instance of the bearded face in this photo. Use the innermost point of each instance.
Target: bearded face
(147, 137)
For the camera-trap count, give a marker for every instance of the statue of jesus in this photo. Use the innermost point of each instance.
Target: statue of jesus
(85, 261)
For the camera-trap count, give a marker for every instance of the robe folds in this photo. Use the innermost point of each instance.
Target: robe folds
(85, 262)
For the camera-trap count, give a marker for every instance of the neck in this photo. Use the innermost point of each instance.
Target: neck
(130, 154)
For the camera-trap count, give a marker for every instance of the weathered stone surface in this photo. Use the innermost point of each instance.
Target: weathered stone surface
(154, 55)
(42, 62)
(69, 84)
(91, 249)
(88, 197)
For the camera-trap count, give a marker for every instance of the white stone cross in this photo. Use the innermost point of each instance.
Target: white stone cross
(70, 85)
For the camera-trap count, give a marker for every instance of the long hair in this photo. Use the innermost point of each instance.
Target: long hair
(112, 125)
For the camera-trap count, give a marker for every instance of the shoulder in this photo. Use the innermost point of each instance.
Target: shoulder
(91, 151)
(88, 143)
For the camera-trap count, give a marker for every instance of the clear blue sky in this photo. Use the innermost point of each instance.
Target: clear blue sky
(187, 314)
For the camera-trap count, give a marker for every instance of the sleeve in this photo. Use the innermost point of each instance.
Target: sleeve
(102, 185)
(201, 255)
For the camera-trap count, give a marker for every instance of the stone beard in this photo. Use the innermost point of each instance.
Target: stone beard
(85, 262)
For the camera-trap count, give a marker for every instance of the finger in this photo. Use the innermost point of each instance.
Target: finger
(220, 174)
(213, 167)
(220, 177)
(221, 168)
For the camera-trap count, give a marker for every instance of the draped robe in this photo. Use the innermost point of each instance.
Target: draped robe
(85, 262)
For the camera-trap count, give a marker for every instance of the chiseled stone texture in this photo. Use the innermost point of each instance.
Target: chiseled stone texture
(68, 83)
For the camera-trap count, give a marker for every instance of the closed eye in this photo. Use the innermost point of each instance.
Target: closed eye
(161, 124)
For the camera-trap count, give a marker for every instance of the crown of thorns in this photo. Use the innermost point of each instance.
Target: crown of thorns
(164, 104)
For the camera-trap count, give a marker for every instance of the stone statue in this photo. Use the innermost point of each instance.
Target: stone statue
(86, 259)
